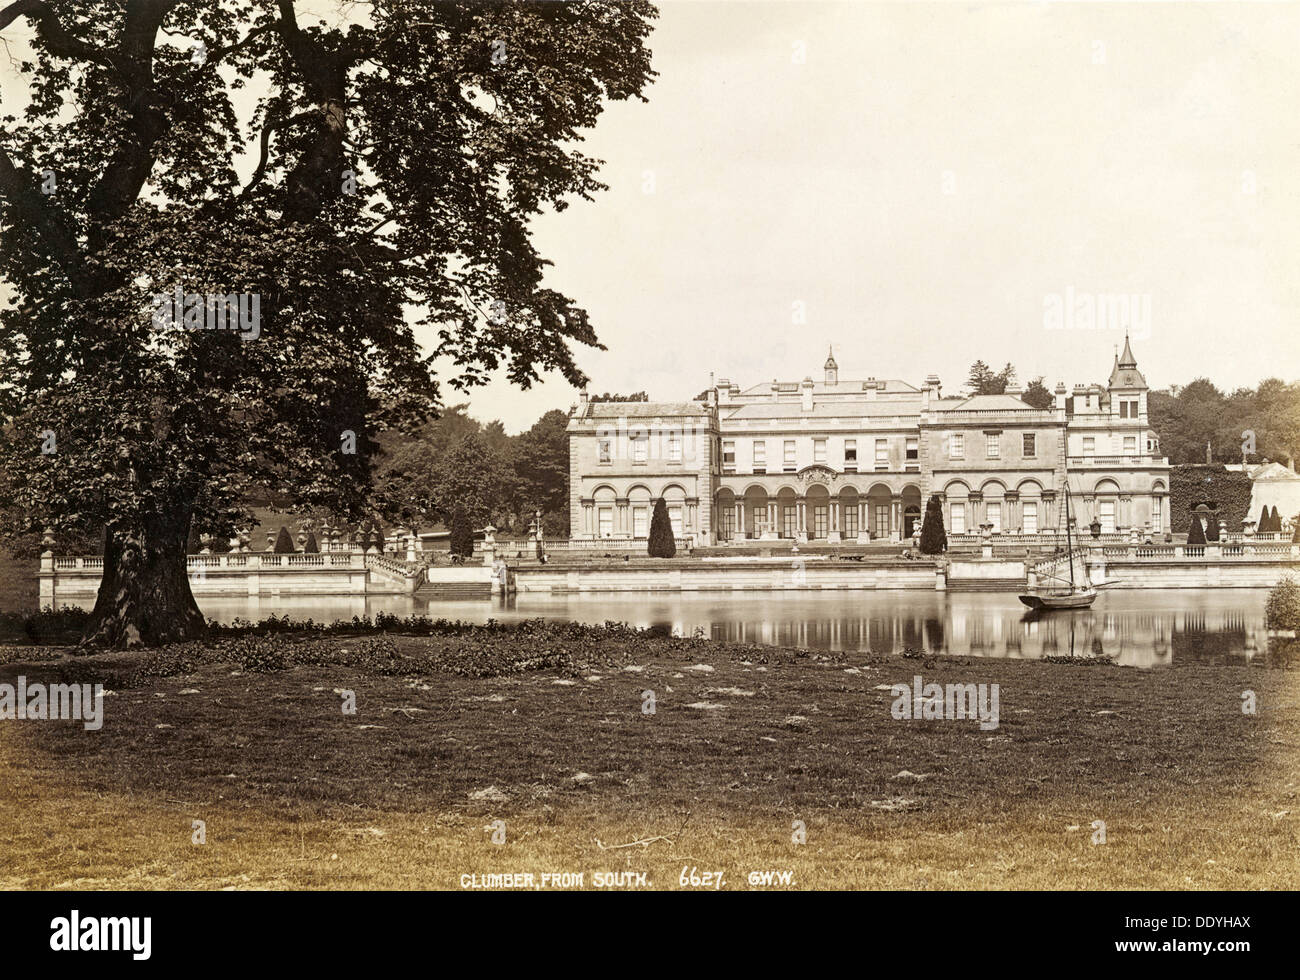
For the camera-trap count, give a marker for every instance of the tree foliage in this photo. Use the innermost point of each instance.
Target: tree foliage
(284, 542)
(1199, 413)
(983, 380)
(402, 150)
(662, 543)
(934, 539)
(462, 533)
(1037, 395)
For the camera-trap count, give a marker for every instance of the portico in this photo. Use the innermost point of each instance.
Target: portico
(817, 503)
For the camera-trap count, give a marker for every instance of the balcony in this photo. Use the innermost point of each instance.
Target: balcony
(1129, 460)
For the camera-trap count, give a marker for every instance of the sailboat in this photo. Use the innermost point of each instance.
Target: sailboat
(1063, 581)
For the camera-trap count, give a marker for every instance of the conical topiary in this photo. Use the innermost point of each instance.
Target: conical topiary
(311, 547)
(662, 544)
(284, 542)
(1196, 533)
(1265, 521)
(934, 539)
(1211, 527)
(462, 534)
(1275, 522)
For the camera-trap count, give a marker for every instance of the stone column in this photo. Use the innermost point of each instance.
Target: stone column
(47, 592)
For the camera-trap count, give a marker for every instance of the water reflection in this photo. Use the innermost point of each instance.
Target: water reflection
(1145, 628)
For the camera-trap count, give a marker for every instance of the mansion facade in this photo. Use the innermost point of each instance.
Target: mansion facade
(841, 460)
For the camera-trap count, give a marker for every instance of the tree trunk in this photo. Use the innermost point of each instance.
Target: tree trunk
(144, 597)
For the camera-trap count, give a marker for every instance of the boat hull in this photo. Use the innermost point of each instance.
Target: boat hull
(1076, 600)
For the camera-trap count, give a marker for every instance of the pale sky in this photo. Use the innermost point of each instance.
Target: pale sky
(921, 183)
(1109, 148)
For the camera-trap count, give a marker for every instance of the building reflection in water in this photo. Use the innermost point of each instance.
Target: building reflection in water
(1146, 628)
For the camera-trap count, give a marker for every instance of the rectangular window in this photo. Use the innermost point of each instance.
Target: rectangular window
(605, 525)
(958, 518)
(1106, 514)
(758, 524)
(640, 522)
(850, 455)
(674, 449)
(640, 448)
(760, 456)
(1030, 521)
(851, 521)
(819, 450)
(790, 521)
(913, 454)
(604, 450)
(1156, 508)
(1029, 444)
(821, 514)
(992, 445)
(729, 456)
(994, 512)
(727, 531)
(675, 519)
(1123, 408)
(957, 445)
(1130, 445)
(882, 521)
(1089, 446)
(790, 459)
(882, 454)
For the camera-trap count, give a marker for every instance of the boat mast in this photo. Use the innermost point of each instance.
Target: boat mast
(1069, 538)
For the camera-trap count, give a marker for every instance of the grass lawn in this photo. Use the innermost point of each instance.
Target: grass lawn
(406, 792)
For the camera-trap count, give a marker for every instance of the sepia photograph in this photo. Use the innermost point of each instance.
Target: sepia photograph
(466, 447)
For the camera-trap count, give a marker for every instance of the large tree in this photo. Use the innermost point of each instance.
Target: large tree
(542, 464)
(983, 380)
(401, 149)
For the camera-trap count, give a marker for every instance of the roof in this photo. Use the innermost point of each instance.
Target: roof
(1125, 373)
(990, 403)
(643, 410)
(846, 386)
(1273, 472)
(826, 410)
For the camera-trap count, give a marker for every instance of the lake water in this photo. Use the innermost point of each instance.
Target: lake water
(1142, 628)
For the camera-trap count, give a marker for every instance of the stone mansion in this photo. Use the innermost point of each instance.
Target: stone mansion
(855, 460)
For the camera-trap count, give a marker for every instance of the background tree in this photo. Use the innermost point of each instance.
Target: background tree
(541, 465)
(934, 539)
(636, 396)
(1037, 395)
(462, 534)
(662, 542)
(472, 477)
(401, 149)
(983, 380)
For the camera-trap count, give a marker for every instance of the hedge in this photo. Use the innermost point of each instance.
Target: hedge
(1227, 492)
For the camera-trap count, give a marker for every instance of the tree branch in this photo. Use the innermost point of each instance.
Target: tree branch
(36, 210)
(52, 33)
